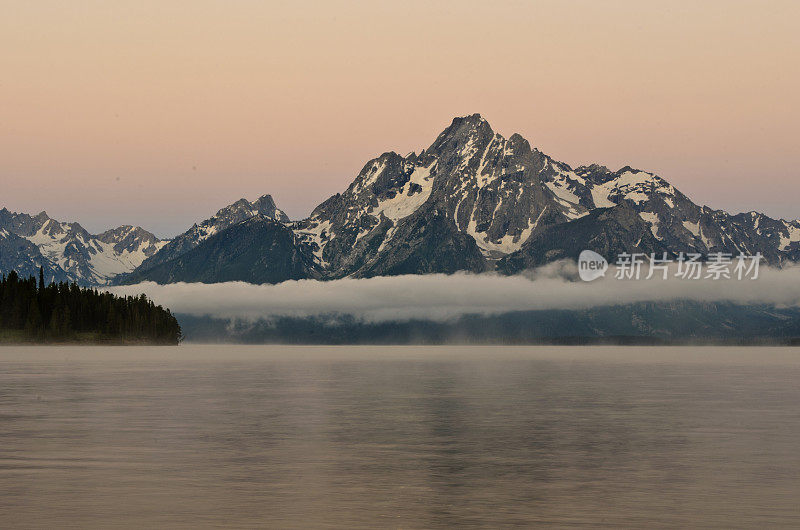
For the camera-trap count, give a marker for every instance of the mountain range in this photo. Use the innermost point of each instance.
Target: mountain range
(472, 201)
(67, 252)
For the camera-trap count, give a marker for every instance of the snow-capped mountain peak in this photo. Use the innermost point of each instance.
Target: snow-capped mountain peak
(226, 217)
(473, 200)
(491, 188)
(70, 253)
(502, 192)
(243, 209)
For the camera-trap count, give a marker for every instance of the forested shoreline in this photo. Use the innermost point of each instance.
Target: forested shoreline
(33, 312)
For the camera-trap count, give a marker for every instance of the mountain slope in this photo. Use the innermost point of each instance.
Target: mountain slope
(19, 254)
(682, 225)
(69, 252)
(257, 250)
(489, 187)
(427, 242)
(237, 212)
(607, 231)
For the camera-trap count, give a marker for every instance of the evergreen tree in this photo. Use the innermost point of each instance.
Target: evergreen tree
(67, 312)
(33, 322)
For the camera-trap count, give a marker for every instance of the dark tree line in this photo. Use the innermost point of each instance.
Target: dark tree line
(66, 312)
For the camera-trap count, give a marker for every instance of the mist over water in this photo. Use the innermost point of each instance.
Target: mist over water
(441, 297)
(370, 437)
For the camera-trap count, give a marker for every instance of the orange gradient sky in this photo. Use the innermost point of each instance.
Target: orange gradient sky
(157, 113)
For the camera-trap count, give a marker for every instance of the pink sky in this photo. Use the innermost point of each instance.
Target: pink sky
(158, 113)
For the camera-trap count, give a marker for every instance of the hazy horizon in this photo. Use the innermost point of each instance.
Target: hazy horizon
(441, 297)
(158, 114)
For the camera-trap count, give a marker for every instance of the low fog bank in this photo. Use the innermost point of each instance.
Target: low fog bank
(440, 297)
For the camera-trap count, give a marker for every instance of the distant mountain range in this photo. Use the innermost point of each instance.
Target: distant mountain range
(472, 201)
(67, 252)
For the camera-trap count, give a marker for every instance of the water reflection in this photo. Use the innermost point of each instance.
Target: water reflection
(270, 438)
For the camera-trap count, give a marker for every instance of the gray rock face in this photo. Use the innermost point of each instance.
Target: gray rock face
(683, 226)
(19, 254)
(257, 250)
(429, 242)
(607, 231)
(491, 189)
(69, 252)
(129, 238)
(235, 213)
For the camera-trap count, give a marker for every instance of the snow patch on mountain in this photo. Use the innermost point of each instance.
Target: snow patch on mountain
(108, 263)
(633, 186)
(469, 150)
(505, 245)
(409, 197)
(694, 228)
(653, 220)
(483, 177)
(792, 237)
(707, 242)
(372, 175)
(237, 212)
(318, 235)
(560, 186)
(77, 255)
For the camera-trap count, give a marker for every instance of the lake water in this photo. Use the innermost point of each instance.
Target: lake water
(403, 437)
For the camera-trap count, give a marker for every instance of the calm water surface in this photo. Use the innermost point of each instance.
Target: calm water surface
(372, 437)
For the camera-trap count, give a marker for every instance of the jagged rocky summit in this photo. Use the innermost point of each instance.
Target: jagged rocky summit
(472, 201)
(476, 201)
(67, 252)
